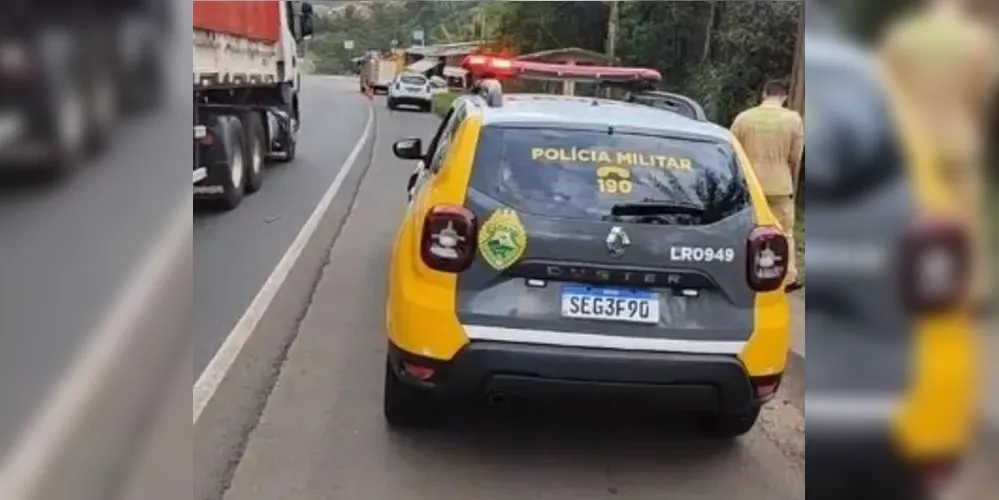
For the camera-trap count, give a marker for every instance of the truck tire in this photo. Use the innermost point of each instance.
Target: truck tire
(234, 142)
(102, 109)
(255, 152)
(290, 141)
(67, 111)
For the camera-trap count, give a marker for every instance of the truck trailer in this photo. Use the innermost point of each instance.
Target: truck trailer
(378, 71)
(246, 93)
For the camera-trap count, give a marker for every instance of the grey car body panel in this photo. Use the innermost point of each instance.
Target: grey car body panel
(723, 311)
(860, 203)
(587, 112)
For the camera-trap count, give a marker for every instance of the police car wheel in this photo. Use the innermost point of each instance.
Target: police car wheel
(390, 102)
(406, 406)
(728, 426)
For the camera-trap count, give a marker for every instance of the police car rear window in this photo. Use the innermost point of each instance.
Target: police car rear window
(591, 175)
(413, 80)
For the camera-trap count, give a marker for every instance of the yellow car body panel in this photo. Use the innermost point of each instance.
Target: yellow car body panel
(420, 314)
(937, 415)
(768, 346)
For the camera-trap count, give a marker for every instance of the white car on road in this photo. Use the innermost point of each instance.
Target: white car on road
(411, 90)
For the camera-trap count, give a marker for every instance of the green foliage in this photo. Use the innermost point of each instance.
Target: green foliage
(720, 53)
(377, 24)
(534, 26)
(442, 103)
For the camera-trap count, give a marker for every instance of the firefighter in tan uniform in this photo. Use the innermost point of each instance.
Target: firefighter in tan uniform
(947, 65)
(773, 137)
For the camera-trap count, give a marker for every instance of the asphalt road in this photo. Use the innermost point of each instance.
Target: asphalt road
(321, 433)
(235, 252)
(66, 249)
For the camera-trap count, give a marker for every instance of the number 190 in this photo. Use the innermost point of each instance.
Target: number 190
(614, 186)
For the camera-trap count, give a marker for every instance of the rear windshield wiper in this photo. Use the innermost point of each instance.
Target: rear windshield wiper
(645, 208)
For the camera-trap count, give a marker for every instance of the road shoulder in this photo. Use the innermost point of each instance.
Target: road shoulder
(224, 425)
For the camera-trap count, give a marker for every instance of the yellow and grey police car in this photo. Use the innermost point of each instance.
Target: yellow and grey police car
(560, 246)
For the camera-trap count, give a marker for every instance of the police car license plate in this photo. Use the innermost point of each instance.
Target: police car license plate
(610, 304)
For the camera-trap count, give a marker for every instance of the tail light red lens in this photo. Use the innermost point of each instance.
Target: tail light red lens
(479, 65)
(935, 272)
(767, 254)
(449, 238)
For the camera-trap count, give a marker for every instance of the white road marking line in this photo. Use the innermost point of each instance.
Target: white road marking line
(213, 374)
(200, 174)
(25, 467)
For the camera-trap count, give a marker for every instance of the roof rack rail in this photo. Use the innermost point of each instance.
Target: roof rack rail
(669, 101)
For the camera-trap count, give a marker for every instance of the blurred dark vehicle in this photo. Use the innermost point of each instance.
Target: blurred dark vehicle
(889, 388)
(69, 70)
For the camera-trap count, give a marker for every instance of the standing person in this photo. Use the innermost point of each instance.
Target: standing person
(945, 63)
(774, 137)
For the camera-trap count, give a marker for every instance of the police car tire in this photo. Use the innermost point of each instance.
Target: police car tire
(253, 127)
(234, 142)
(406, 406)
(390, 102)
(729, 426)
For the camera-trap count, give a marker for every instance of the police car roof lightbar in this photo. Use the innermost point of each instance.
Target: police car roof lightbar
(500, 68)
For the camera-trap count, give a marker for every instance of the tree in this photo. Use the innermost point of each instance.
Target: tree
(720, 53)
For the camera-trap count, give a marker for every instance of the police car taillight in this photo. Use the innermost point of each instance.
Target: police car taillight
(934, 273)
(449, 237)
(767, 255)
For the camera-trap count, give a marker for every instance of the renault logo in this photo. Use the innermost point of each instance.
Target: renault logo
(617, 241)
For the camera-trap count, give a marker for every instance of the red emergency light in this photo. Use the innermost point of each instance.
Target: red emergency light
(483, 66)
(480, 66)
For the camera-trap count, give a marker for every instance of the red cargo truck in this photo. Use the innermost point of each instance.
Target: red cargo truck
(246, 92)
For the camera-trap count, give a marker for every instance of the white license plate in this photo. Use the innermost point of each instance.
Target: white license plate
(610, 304)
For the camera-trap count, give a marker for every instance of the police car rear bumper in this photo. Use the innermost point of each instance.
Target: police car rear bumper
(673, 381)
(411, 98)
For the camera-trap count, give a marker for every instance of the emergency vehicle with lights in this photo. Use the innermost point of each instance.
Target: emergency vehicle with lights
(559, 246)
(246, 93)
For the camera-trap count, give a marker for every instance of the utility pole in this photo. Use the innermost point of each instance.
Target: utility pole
(612, 19)
(482, 28)
(612, 30)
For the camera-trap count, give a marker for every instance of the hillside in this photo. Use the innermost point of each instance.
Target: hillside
(375, 25)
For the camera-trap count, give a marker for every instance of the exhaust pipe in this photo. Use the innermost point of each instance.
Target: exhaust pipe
(497, 399)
